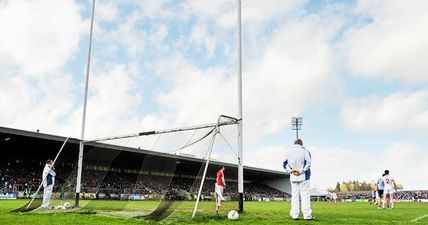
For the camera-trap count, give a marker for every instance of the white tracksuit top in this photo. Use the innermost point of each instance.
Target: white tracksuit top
(48, 175)
(298, 158)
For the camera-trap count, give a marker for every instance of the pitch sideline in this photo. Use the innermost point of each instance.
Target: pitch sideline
(419, 218)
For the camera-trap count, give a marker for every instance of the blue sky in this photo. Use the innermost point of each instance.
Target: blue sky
(355, 70)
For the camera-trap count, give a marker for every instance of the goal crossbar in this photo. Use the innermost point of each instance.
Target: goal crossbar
(231, 121)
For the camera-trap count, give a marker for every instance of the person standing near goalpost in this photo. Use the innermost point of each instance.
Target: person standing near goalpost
(48, 179)
(219, 187)
(298, 163)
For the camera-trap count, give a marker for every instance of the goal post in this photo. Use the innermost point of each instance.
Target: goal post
(240, 124)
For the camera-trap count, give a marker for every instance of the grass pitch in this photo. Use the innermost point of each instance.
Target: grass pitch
(111, 212)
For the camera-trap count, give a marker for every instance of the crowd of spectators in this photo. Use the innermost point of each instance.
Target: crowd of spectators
(18, 176)
(14, 176)
(413, 195)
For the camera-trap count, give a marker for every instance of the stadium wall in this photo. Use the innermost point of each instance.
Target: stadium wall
(281, 184)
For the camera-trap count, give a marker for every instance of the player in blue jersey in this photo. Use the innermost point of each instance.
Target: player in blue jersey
(379, 187)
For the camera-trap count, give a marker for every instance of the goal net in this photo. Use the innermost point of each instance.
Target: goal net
(179, 170)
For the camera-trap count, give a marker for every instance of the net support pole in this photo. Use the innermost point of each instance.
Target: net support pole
(240, 122)
(82, 134)
(208, 156)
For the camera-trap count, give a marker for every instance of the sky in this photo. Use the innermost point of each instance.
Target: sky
(355, 70)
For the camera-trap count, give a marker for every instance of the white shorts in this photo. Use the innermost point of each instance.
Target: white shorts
(389, 191)
(219, 189)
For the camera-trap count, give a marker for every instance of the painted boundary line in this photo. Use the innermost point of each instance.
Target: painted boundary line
(419, 218)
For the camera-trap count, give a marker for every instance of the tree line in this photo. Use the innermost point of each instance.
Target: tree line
(356, 186)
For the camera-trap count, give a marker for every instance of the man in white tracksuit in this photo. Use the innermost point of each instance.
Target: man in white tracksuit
(48, 178)
(297, 163)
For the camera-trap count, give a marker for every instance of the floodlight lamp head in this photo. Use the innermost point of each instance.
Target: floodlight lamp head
(297, 120)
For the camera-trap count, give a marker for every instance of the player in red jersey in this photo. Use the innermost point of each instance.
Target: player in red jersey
(219, 187)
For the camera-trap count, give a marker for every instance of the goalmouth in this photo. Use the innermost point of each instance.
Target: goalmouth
(208, 140)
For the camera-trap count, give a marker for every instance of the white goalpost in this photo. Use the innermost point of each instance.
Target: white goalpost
(240, 122)
(82, 134)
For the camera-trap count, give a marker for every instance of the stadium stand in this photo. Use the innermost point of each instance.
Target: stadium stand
(26, 152)
(19, 175)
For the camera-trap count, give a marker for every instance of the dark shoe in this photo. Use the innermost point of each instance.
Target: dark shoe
(310, 218)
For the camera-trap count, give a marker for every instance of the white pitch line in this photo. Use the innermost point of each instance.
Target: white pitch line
(419, 218)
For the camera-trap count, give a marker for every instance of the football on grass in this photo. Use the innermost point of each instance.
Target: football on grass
(233, 215)
(67, 205)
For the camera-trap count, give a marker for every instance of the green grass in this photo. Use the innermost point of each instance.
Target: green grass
(255, 213)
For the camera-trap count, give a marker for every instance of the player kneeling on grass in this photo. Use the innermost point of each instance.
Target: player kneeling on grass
(219, 187)
(389, 189)
(48, 179)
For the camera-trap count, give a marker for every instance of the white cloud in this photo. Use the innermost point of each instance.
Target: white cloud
(292, 69)
(392, 46)
(262, 11)
(331, 165)
(39, 36)
(127, 31)
(38, 39)
(32, 105)
(253, 12)
(208, 9)
(195, 95)
(271, 75)
(217, 20)
(106, 11)
(404, 160)
(155, 9)
(199, 35)
(112, 104)
(128, 36)
(401, 111)
(298, 53)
